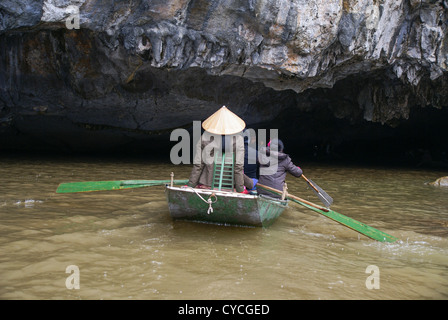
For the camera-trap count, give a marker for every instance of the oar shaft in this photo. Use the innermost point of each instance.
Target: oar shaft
(88, 186)
(151, 182)
(292, 197)
(309, 182)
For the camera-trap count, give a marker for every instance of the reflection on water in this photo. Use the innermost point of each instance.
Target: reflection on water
(127, 247)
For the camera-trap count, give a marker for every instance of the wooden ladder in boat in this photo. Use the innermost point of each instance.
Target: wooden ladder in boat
(223, 171)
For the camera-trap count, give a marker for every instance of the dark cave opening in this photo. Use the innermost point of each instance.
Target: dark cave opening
(419, 142)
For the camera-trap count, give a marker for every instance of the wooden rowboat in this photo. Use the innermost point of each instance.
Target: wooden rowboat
(223, 207)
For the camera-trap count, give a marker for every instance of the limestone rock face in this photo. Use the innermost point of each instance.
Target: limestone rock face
(150, 66)
(320, 41)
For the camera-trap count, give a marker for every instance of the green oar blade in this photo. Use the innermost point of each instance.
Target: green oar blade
(353, 224)
(340, 218)
(88, 186)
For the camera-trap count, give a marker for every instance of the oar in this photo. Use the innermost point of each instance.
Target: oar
(322, 195)
(340, 218)
(88, 186)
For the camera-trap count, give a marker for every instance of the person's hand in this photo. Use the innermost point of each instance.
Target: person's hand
(255, 181)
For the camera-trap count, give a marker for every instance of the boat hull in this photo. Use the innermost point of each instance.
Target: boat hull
(228, 208)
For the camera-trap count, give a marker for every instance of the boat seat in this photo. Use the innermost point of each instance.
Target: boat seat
(223, 171)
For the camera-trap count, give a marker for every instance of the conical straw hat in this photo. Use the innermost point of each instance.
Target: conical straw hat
(224, 122)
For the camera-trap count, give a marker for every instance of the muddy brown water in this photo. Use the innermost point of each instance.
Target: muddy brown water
(126, 246)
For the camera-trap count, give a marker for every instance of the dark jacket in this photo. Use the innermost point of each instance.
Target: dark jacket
(273, 169)
(250, 161)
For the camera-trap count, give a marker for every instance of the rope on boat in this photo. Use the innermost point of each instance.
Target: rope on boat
(208, 201)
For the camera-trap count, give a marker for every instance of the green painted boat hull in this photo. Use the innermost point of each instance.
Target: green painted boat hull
(229, 208)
